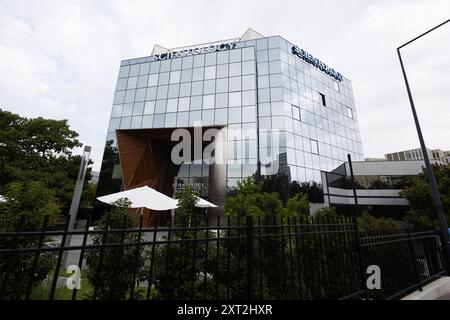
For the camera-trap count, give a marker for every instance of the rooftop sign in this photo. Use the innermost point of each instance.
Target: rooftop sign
(196, 50)
(302, 54)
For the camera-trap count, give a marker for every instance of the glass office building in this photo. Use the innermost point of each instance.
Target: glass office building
(302, 112)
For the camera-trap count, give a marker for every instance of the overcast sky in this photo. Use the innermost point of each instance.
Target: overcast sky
(59, 59)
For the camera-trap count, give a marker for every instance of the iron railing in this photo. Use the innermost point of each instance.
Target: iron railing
(242, 258)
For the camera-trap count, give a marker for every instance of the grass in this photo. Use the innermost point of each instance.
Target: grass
(42, 292)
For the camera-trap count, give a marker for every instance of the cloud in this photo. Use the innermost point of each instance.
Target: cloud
(59, 59)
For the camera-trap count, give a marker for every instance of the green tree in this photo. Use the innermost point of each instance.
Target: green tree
(312, 189)
(251, 200)
(297, 205)
(27, 205)
(186, 270)
(417, 191)
(111, 269)
(368, 223)
(39, 150)
(187, 199)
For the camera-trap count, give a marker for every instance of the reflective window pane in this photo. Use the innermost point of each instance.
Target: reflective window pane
(210, 72)
(235, 69)
(234, 99)
(147, 121)
(149, 107)
(153, 80)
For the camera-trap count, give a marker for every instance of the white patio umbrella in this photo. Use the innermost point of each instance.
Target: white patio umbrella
(143, 197)
(202, 203)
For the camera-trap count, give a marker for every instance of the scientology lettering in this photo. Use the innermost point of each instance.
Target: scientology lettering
(194, 51)
(302, 54)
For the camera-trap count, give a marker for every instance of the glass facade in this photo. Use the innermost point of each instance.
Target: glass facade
(259, 85)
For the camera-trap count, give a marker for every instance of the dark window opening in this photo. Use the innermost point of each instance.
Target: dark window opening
(322, 96)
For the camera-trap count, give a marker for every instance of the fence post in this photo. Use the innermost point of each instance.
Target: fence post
(414, 258)
(249, 257)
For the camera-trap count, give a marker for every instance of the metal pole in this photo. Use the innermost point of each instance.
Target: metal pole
(355, 197)
(431, 179)
(76, 198)
(357, 235)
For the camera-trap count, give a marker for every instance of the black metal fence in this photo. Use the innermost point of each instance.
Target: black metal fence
(248, 258)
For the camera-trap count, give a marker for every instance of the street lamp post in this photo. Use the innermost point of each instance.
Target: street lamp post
(431, 179)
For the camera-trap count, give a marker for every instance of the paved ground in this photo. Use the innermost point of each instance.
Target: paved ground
(444, 297)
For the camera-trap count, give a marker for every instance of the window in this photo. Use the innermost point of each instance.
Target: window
(221, 116)
(222, 71)
(171, 120)
(124, 71)
(235, 84)
(248, 67)
(174, 90)
(134, 70)
(175, 76)
(210, 72)
(132, 83)
(149, 107)
(136, 122)
(208, 117)
(176, 64)
(197, 74)
(121, 84)
(248, 82)
(147, 121)
(209, 86)
(186, 75)
(114, 124)
(208, 101)
(142, 81)
(163, 78)
(158, 120)
(349, 112)
(248, 97)
(234, 99)
(138, 109)
(154, 67)
(222, 100)
(183, 104)
(144, 69)
(248, 53)
(322, 99)
(295, 112)
(140, 94)
(182, 119)
(336, 86)
(125, 123)
(160, 106)
(185, 89)
(235, 55)
(235, 69)
(211, 59)
(196, 103)
(314, 147)
(153, 80)
(222, 85)
(116, 111)
(172, 105)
